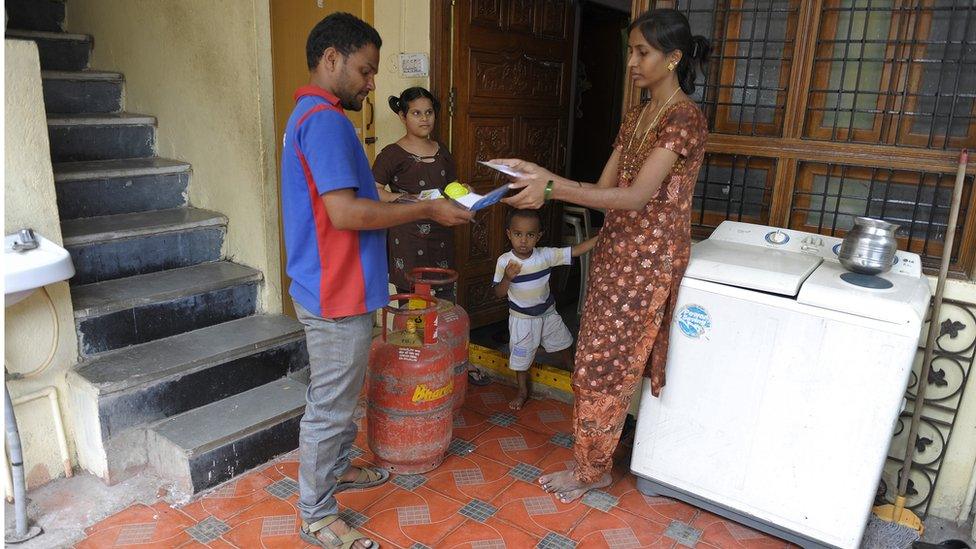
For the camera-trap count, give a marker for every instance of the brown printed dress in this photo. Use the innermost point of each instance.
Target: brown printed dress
(637, 266)
(421, 243)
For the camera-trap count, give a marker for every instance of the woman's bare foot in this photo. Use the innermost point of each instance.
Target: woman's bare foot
(519, 401)
(567, 488)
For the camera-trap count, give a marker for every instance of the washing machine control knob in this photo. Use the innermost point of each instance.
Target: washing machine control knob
(777, 237)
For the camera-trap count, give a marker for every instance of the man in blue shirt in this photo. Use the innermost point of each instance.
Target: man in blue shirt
(334, 228)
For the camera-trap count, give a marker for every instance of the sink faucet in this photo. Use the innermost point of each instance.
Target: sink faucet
(27, 241)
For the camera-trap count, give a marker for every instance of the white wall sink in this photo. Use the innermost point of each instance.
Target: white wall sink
(26, 271)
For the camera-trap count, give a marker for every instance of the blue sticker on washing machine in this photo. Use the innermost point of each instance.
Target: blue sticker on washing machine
(693, 321)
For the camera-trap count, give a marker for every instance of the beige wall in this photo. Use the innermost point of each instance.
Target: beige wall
(404, 26)
(29, 327)
(203, 68)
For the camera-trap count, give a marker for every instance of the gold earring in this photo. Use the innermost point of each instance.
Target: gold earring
(671, 66)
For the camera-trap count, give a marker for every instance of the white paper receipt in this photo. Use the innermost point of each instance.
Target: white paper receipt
(502, 168)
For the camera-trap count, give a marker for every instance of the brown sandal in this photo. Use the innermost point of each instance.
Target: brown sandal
(368, 477)
(334, 541)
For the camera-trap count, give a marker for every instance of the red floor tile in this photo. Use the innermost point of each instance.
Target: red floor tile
(560, 459)
(726, 534)
(140, 525)
(517, 513)
(214, 544)
(618, 528)
(529, 508)
(490, 398)
(546, 416)
(421, 516)
(492, 533)
(513, 445)
(272, 522)
(468, 424)
(231, 498)
(469, 477)
(657, 509)
(279, 469)
(360, 500)
(287, 466)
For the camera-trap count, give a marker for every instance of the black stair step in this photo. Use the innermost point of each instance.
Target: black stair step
(117, 246)
(58, 51)
(109, 187)
(144, 383)
(108, 136)
(211, 444)
(37, 15)
(128, 311)
(82, 91)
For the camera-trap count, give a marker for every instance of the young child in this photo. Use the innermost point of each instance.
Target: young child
(523, 274)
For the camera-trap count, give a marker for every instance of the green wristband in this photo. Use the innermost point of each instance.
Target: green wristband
(548, 193)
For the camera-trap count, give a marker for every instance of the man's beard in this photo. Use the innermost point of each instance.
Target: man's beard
(349, 99)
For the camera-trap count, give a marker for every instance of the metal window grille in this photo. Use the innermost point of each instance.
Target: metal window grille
(829, 196)
(752, 41)
(895, 73)
(736, 187)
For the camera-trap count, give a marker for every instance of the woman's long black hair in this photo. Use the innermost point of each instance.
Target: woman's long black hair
(400, 104)
(668, 30)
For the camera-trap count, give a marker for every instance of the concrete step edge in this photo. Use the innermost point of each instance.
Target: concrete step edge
(288, 403)
(60, 120)
(109, 169)
(45, 35)
(262, 332)
(78, 232)
(83, 76)
(100, 298)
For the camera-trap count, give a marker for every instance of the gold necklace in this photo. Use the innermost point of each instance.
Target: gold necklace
(653, 122)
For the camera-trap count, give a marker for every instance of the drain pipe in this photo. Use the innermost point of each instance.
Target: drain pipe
(8, 482)
(21, 532)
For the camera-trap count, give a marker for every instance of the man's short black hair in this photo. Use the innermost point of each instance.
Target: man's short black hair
(523, 214)
(343, 31)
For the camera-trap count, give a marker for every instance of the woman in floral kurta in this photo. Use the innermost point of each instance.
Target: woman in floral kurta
(643, 247)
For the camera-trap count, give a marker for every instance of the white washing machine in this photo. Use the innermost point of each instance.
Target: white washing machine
(785, 377)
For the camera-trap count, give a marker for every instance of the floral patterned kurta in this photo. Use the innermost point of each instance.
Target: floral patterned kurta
(637, 266)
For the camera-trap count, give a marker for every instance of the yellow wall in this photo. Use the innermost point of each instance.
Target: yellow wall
(404, 26)
(204, 70)
(29, 201)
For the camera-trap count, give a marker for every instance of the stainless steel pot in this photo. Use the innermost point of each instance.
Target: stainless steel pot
(869, 247)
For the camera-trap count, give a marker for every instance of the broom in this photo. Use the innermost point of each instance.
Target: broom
(905, 525)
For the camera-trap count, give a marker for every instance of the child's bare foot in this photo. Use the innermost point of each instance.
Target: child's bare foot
(519, 401)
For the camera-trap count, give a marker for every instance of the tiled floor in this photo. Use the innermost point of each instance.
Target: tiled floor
(483, 496)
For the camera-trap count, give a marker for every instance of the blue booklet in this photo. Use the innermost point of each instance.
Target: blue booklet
(490, 199)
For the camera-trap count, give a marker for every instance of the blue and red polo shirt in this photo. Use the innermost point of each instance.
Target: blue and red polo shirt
(334, 272)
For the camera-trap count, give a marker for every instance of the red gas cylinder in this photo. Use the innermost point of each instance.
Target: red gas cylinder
(453, 324)
(409, 391)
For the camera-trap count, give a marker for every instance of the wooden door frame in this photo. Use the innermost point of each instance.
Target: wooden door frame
(441, 61)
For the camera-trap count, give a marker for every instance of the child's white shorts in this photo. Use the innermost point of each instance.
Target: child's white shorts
(526, 334)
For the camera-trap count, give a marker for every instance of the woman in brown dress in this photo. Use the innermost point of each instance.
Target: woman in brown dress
(643, 248)
(416, 163)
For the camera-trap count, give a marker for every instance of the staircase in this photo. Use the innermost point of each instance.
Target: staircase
(178, 371)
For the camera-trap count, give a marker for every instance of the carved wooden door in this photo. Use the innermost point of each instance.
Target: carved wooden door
(512, 83)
